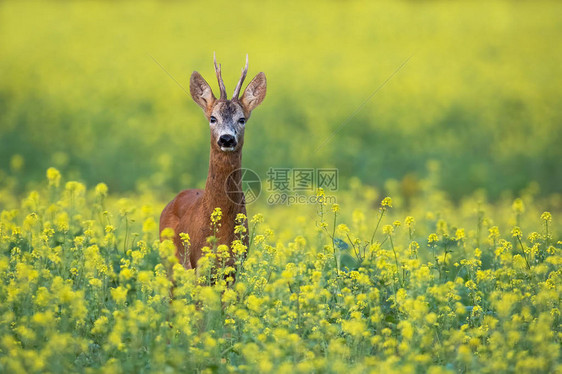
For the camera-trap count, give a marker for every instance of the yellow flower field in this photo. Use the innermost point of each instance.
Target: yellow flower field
(365, 286)
(434, 247)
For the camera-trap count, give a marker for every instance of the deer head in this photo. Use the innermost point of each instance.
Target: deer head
(227, 118)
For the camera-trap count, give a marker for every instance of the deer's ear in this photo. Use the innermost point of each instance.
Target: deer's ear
(201, 92)
(254, 93)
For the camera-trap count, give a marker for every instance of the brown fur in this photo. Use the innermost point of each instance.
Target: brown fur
(190, 211)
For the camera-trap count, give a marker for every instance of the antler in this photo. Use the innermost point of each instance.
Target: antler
(219, 78)
(239, 85)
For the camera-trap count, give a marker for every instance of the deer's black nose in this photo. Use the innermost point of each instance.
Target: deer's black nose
(227, 141)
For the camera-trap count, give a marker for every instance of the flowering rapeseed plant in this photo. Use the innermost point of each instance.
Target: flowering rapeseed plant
(80, 290)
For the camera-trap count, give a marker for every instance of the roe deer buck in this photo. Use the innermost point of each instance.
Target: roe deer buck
(190, 211)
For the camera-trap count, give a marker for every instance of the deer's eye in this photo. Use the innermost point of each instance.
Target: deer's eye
(213, 119)
(242, 121)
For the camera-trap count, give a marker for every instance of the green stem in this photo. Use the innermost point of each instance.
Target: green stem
(336, 257)
(355, 250)
(524, 254)
(126, 234)
(251, 238)
(377, 227)
(395, 260)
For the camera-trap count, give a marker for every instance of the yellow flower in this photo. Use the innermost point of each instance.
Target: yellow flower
(167, 233)
(442, 227)
(257, 218)
(546, 216)
(343, 229)
(241, 288)
(407, 329)
(354, 327)
(241, 218)
(410, 221)
(185, 238)
(210, 343)
(62, 221)
(238, 248)
(126, 274)
(100, 325)
(240, 229)
(494, 234)
(229, 296)
(518, 206)
(265, 365)
(386, 203)
(388, 229)
(74, 187)
(477, 252)
(119, 294)
(516, 232)
(53, 176)
(254, 303)
(358, 217)
(149, 225)
(216, 216)
(101, 190)
(42, 297)
(43, 318)
(431, 318)
(432, 238)
(465, 353)
(95, 282)
(30, 222)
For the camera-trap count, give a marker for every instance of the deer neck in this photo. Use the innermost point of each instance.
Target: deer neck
(224, 176)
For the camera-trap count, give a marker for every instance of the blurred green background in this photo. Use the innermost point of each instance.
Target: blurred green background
(480, 95)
